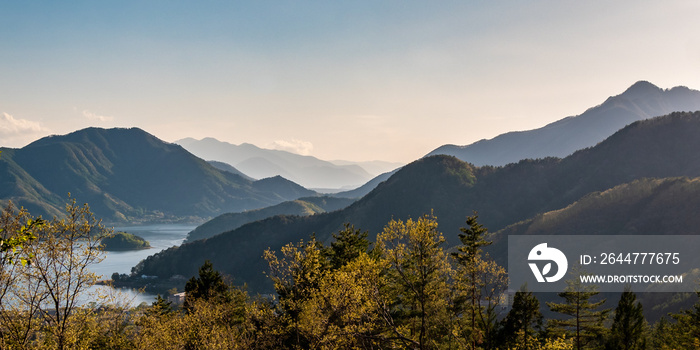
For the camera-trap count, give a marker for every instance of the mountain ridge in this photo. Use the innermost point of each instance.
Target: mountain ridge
(129, 175)
(561, 138)
(257, 162)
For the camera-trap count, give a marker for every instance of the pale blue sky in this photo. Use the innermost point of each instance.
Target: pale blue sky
(356, 80)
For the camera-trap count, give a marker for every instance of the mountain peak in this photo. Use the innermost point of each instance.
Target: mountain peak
(641, 87)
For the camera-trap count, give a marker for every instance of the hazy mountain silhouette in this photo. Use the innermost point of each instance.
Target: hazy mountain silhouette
(366, 188)
(374, 167)
(258, 163)
(660, 147)
(130, 175)
(642, 100)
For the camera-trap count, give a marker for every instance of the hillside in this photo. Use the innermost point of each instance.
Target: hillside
(259, 163)
(128, 175)
(645, 206)
(227, 167)
(300, 207)
(659, 147)
(641, 207)
(641, 101)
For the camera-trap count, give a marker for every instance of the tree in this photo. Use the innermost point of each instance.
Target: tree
(417, 282)
(628, 327)
(45, 292)
(161, 306)
(209, 285)
(65, 249)
(17, 230)
(478, 279)
(348, 245)
(296, 276)
(344, 313)
(585, 322)
(682, 334)
(523, 321)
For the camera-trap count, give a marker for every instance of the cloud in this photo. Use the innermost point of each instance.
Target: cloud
(295, 146)
(11, 127)
(92, 116)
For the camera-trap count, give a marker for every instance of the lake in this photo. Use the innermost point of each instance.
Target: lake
(161, 237)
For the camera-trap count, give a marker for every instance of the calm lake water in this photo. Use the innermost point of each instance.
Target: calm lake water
(161, 237)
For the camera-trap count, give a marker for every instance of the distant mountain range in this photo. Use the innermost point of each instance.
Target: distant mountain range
(128, 175)
(307, 171)
(642, 100)
(662, 147)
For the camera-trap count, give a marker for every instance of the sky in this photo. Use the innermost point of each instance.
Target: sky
(351, 80)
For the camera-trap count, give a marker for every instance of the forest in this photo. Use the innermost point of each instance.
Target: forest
(404, 291)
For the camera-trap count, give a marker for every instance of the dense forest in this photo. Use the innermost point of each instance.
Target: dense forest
(404, 291)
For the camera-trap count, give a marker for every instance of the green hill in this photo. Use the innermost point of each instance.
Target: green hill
(128, 175)
(122, 241)
(646, 206)
(301, 207)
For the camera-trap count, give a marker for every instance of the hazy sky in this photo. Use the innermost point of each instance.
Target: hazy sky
(355, 80)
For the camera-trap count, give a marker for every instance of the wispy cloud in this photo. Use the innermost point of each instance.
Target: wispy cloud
(92, 116)
(295, 146)
(13, 127)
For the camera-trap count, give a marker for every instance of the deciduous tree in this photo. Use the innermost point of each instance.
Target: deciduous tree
(418, 275)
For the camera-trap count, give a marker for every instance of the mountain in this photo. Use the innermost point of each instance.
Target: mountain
(642, 100)
(228, 167)
(366, 188)
(452, 189)
(307, 171)
(128, 175)
(374, 167)
(301, 207)
(644, 206)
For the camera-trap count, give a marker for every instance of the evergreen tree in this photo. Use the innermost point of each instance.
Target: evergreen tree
(472, 238)
(161, 306)
(627, 332)
(585, 322)
(478, 279)
(348, 245)
(209, 285)
(684, 333)
(523, 321)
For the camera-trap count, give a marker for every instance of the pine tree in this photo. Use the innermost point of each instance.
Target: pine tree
(523, 320)
(472, 238)
(209, 285)
(348, 245)
(478, 279)
(585, 322)
(161, 306)
(627, 332)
